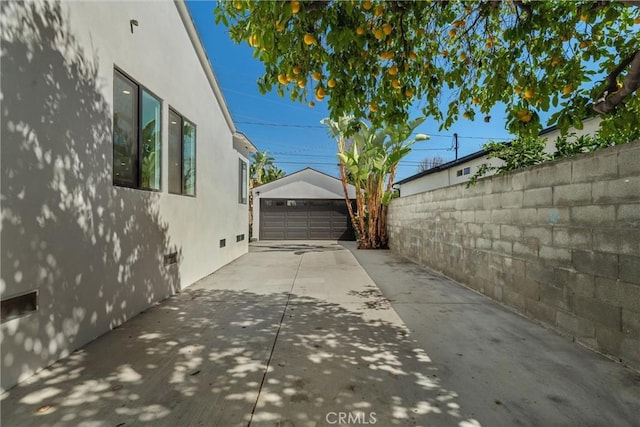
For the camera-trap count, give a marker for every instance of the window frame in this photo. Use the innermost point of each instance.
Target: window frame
(183, 118)
(139, 152)
(243, 178)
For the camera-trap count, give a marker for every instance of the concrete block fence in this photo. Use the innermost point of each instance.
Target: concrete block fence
(559, 242)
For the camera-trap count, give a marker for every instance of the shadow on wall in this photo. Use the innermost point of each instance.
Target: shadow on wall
(92, 251)
(200, 358)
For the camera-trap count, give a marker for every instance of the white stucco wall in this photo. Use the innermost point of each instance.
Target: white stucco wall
(95, 252)
(449, 176)
(305, 184)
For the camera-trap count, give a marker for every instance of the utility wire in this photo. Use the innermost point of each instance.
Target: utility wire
(287, 125)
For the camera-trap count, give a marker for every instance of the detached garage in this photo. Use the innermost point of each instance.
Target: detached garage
(306, 205)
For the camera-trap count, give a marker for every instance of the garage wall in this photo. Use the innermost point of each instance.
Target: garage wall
(305, 184)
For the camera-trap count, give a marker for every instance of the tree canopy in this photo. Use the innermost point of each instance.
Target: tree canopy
(375, 59)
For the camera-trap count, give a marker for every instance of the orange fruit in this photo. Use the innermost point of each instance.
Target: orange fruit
(367, 5)
(295, 7)
(585, 44)
(528, 94)
(310, 39)
(331, 83)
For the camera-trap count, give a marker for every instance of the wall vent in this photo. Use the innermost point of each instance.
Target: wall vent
(223, 243)
(171, 258)
(239, 237)
(18, 306)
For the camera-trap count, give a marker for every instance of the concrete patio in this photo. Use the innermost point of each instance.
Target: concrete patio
(300, 334)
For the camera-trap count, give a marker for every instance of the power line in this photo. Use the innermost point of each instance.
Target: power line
(284, 125)
(437, 135)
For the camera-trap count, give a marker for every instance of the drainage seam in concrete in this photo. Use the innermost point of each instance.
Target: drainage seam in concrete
(275, 340)
(433, 303)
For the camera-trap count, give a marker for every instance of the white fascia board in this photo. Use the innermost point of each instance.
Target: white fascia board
(183, 11)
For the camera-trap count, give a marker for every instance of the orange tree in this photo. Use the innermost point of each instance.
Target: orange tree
(373, 59)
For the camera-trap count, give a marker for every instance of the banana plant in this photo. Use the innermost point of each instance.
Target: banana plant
(369, 157)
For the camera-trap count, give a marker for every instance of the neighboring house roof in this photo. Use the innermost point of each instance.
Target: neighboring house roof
(315, 182)
(187, 20)
(444, 166)
(466, 158)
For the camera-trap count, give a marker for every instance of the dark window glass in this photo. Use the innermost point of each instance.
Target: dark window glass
(151, 141)
(182, 155)
(137, 135)
(242, 179)
(459, 172)
(175, 153)
(125, 131)
(189, 158)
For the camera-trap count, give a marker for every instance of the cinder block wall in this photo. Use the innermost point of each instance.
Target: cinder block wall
(558, 242)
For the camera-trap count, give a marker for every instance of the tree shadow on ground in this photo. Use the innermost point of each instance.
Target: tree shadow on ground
(93, 252)
(200, 358)
(298, 248)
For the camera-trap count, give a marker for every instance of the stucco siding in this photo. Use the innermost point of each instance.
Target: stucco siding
(95, 252)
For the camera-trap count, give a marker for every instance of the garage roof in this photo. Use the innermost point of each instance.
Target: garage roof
(307, 183)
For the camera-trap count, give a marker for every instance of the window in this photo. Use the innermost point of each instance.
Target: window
(465, 171)
(137, 138)
(182, 155)
(242, 193)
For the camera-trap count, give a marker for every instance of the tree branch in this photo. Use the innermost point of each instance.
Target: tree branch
(611, 97)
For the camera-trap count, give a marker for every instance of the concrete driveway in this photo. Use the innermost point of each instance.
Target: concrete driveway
(298, 334)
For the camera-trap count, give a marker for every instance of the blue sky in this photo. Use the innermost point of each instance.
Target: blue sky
(291, 131)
